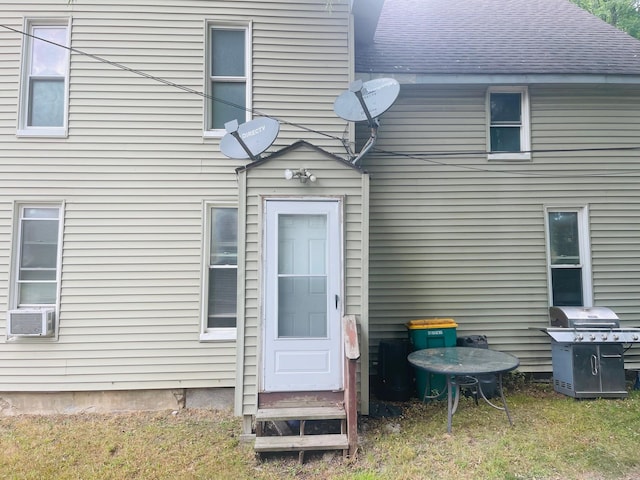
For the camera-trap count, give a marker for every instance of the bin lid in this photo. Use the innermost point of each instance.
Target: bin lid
(431, 323)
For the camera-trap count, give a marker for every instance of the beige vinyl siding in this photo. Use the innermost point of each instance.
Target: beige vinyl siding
(335, 180)
(134, 173)
(463, 237)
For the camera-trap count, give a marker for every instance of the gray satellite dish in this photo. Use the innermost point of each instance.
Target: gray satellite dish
(250, 139)
(366, 101)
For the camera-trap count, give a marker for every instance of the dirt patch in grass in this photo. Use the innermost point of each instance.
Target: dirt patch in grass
(553, 437)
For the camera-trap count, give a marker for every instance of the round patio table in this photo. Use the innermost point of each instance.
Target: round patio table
(462, 366)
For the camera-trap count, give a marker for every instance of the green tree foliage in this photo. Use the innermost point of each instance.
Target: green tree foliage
(623, 14)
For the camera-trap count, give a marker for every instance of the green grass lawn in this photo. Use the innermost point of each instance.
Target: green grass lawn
(553, 437)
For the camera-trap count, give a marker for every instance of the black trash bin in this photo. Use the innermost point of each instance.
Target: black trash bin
(394, 372)
(488, 383)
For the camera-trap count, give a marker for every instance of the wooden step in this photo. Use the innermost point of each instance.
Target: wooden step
(295, 443)
(300, 413)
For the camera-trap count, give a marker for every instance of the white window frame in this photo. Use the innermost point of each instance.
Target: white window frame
(23, 128)
(208, 78)
(584, 246)
(221, 333)
(18, 209)
(525, 125)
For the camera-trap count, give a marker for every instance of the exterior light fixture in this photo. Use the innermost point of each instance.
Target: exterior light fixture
(301, 174)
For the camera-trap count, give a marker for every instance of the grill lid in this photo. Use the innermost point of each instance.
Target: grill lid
(583, 317)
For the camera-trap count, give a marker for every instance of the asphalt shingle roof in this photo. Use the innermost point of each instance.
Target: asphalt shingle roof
(496, 37)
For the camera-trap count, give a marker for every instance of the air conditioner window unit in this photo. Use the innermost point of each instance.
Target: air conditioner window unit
(30, 322)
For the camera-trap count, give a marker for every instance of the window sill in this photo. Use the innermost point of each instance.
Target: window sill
(214, 134)
(512, 157)
(43, 132)
(31, 339)
(219, 335)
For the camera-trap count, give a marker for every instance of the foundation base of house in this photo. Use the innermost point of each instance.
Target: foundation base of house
(69, 403)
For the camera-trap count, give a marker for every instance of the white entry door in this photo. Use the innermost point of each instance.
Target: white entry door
(302, 347)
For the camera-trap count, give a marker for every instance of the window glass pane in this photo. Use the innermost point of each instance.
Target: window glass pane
(38, 256)
(46, 103)
(567, 286)
(235, 94)
(40, 231)
(224, 236)
(40, 212)
(227, 52)
(222, 297)
(39, 244)
(505, 139)
(505, 107)
(37, 272)
(223, 258)
(27, 274)
(564, 239)
(37, 293)
(47, 58)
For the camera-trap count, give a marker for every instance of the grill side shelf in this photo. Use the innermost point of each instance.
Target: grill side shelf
(593, 335)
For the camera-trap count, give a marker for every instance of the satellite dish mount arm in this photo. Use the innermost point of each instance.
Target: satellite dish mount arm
(356, 88)
(369, 145)
(232, 128)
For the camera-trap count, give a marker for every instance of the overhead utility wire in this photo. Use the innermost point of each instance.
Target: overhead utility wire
(542, 150)
(168, 82)
(421, 156)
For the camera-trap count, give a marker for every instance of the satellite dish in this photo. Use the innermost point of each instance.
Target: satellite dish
(250, 139)
(368, 100)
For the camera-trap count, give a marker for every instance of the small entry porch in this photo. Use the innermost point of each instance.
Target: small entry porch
(302, 270)
(318, 420)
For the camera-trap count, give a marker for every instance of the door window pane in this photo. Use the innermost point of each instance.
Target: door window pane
(302, 244)
(302, 278)
(302, 307)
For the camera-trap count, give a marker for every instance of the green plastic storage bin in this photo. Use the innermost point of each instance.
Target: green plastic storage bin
(431, 333)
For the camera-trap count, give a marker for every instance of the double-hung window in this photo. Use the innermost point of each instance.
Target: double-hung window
(568, 257)
(228, 76)
(220, 306)
(508, 135)
(45, 78)
(37, 276)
